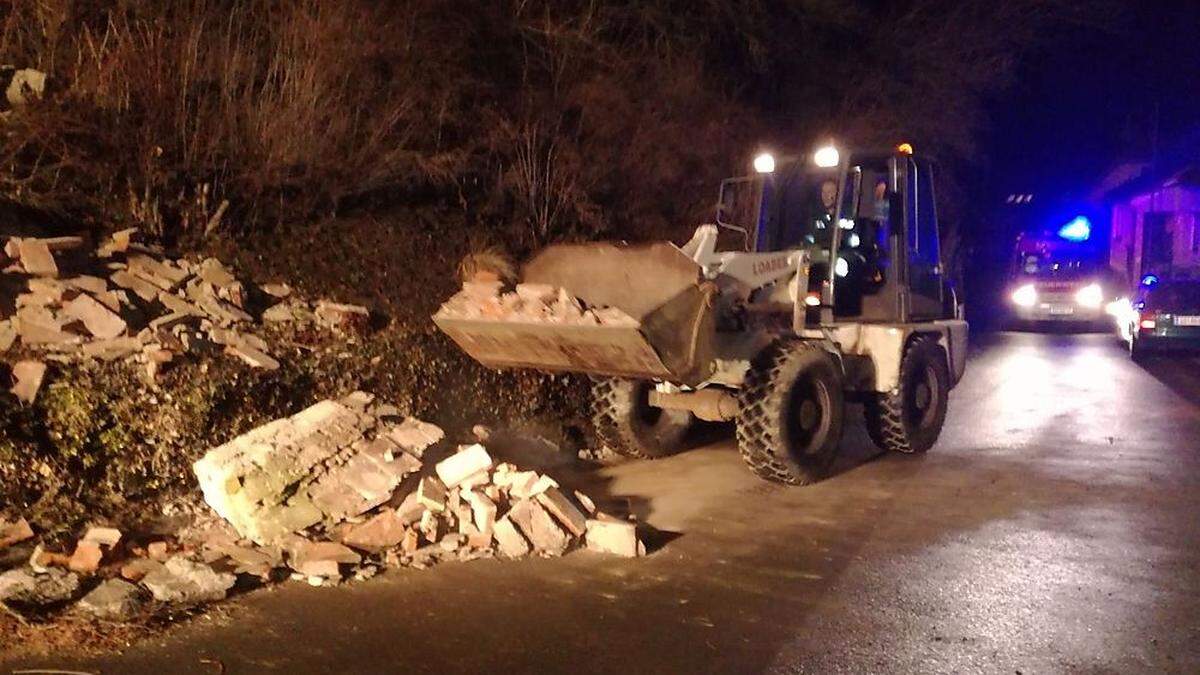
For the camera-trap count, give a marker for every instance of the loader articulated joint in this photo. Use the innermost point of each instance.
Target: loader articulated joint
(711, 404)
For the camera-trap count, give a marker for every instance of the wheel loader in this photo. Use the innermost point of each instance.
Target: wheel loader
(819, 284)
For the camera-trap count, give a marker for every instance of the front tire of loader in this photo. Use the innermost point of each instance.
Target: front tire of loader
(910, 419)
(624, 420)
(791, 413)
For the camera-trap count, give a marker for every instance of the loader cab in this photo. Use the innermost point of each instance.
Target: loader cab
(870, 223)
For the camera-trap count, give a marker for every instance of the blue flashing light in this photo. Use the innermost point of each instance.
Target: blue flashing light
(1149, 280)
(1079, 229)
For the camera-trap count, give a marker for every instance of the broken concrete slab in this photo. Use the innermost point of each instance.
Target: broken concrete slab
(28, 376)
(36, 258)
(25, 587)
(140, 287)
(113, 599)
(184, 581)
(463, 464)
(415, 436)
(613, 536)
(295, 472)
(252, 357)
(99, 320)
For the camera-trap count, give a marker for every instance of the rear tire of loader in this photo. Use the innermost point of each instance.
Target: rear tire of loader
(791, 413)
(624, 420)
(910, 419)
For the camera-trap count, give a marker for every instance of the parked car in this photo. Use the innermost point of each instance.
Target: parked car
(1165, 316)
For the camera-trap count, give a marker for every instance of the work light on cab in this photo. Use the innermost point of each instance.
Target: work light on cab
(827, 157)
(764, 163)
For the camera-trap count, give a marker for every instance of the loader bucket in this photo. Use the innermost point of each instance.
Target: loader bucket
(655, 284)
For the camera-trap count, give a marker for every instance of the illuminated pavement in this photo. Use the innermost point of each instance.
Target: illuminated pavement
(1056, 527)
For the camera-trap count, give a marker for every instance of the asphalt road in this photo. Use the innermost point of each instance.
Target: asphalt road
(1054, 528)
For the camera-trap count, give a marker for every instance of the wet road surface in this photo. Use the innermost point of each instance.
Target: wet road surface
(1054, 528)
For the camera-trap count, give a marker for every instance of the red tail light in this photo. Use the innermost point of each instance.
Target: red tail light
(1148, 320)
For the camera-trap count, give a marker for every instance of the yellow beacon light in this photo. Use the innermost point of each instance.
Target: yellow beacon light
(905, 148)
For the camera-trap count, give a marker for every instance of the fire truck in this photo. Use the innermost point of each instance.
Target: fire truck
(1059, 276)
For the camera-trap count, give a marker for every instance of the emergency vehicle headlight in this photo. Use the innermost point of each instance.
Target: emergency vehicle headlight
(1025, 296)
(827, 157)
(1091, 296)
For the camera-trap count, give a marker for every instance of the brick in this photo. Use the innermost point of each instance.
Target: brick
(463, 464)
(483, 511)
(538, 527)
(410, 509)
(86, 558)
(586, 502)
(381, 532)
(158, 550)
(612, 536)
(564, 511)
(432, 494)
(509, 541)
(104, 536)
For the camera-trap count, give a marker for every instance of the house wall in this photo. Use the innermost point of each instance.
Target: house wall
(1182, 206)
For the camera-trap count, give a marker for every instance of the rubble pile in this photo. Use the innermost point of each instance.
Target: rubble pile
(63, 300)
(340, 490)
(531, 303)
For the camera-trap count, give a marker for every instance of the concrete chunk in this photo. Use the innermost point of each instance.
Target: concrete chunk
(463, 464)
(28, 376)
(343, 317)
(22, 587)
(183, 581)
(415, 436)
(8, 335)
(113, 599)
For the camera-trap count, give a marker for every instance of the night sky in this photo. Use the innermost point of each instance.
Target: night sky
(1094, 96)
